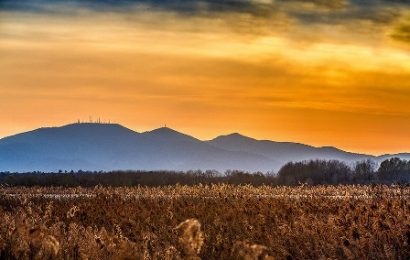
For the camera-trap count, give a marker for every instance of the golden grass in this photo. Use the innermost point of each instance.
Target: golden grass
(205, 222)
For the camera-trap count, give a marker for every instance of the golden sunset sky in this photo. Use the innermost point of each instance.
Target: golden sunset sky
(320, 72)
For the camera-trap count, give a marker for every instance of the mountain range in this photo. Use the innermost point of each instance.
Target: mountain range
(96, 146)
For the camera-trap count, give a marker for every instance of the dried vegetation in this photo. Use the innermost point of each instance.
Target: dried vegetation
(205, 222)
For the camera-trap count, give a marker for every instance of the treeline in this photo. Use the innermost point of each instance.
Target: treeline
(134, 178)
(318, 172)
(315, 172)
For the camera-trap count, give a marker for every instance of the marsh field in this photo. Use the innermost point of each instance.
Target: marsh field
(205, 222)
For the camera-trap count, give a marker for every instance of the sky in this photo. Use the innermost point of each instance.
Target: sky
(320, 72)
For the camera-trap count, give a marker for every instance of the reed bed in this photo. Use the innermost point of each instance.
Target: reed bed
(205, 222)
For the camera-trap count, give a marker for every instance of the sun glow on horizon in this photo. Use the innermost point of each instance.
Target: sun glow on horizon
(270, 71)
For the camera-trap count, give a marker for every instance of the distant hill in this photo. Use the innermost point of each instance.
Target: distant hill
(282, 152)
(91, 146)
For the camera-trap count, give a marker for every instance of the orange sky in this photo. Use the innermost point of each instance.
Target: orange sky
(268, 74)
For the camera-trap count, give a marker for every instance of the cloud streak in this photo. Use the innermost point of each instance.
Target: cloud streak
(373, 17)
(319, 72)
(401, 30)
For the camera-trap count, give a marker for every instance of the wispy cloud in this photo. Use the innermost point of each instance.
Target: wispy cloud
(316, 66)
(401, 31)
(373, 17)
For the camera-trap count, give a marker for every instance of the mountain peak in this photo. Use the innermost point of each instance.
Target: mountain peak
(169, 134)
(237, 135)
(95, 125)
(233, 137)
(74, 132)
(164, 129)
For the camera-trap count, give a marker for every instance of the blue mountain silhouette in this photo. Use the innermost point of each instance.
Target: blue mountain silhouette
(92, 146)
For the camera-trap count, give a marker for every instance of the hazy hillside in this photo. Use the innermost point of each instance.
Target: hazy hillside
(282, 152)
(90, 146)
(111, 146)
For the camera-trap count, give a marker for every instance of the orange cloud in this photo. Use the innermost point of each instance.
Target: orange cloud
(198, 75)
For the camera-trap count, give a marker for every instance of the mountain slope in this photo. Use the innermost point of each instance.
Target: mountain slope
(90, 146)
(86, 146)
(282, 151)
(112, 147)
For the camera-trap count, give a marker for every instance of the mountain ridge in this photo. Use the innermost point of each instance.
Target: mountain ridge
(97, 146)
